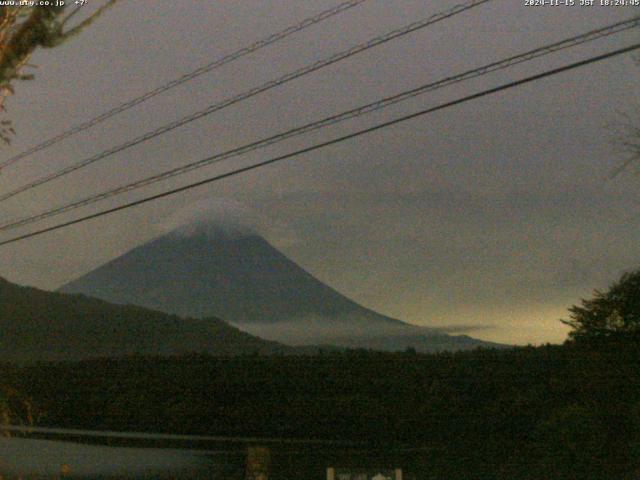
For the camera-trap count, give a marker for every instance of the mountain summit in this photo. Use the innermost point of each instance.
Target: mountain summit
(206, 270)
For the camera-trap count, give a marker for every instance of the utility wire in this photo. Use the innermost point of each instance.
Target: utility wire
(334, 119)
(334, 141)
(253, 92)
(276, 37)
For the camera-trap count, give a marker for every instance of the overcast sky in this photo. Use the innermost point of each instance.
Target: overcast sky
(496, 213)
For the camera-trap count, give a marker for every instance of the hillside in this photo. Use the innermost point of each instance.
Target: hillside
(39, 325)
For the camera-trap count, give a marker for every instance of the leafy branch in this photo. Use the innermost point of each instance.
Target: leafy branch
(22, 31)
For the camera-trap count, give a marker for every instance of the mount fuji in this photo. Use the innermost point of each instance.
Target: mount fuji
(204, 270)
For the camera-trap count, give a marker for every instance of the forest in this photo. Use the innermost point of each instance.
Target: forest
(568, 411)
(544, 412)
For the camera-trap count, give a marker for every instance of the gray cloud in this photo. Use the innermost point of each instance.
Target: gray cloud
(492, 213)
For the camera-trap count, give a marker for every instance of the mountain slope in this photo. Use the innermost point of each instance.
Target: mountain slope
(204, 271)
(241, 278)
(39, 325)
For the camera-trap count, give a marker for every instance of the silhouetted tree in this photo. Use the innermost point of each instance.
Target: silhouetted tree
(612, 315)
(15, 409)
(627, 137)
(627, 140)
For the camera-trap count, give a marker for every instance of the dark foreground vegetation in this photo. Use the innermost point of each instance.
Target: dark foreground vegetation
(550, 412)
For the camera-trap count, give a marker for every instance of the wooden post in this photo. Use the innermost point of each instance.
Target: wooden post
(258, 463)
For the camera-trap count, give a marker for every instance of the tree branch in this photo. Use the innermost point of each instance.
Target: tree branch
(62, 37)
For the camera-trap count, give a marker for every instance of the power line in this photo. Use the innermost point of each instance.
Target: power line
(334, 141)
(334, 119)
(276, 37)
(253, 92)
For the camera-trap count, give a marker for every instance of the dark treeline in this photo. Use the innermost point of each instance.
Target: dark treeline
(549, 412)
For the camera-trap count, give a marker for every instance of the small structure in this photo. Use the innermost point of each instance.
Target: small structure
(258, 463)
(364, 474)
